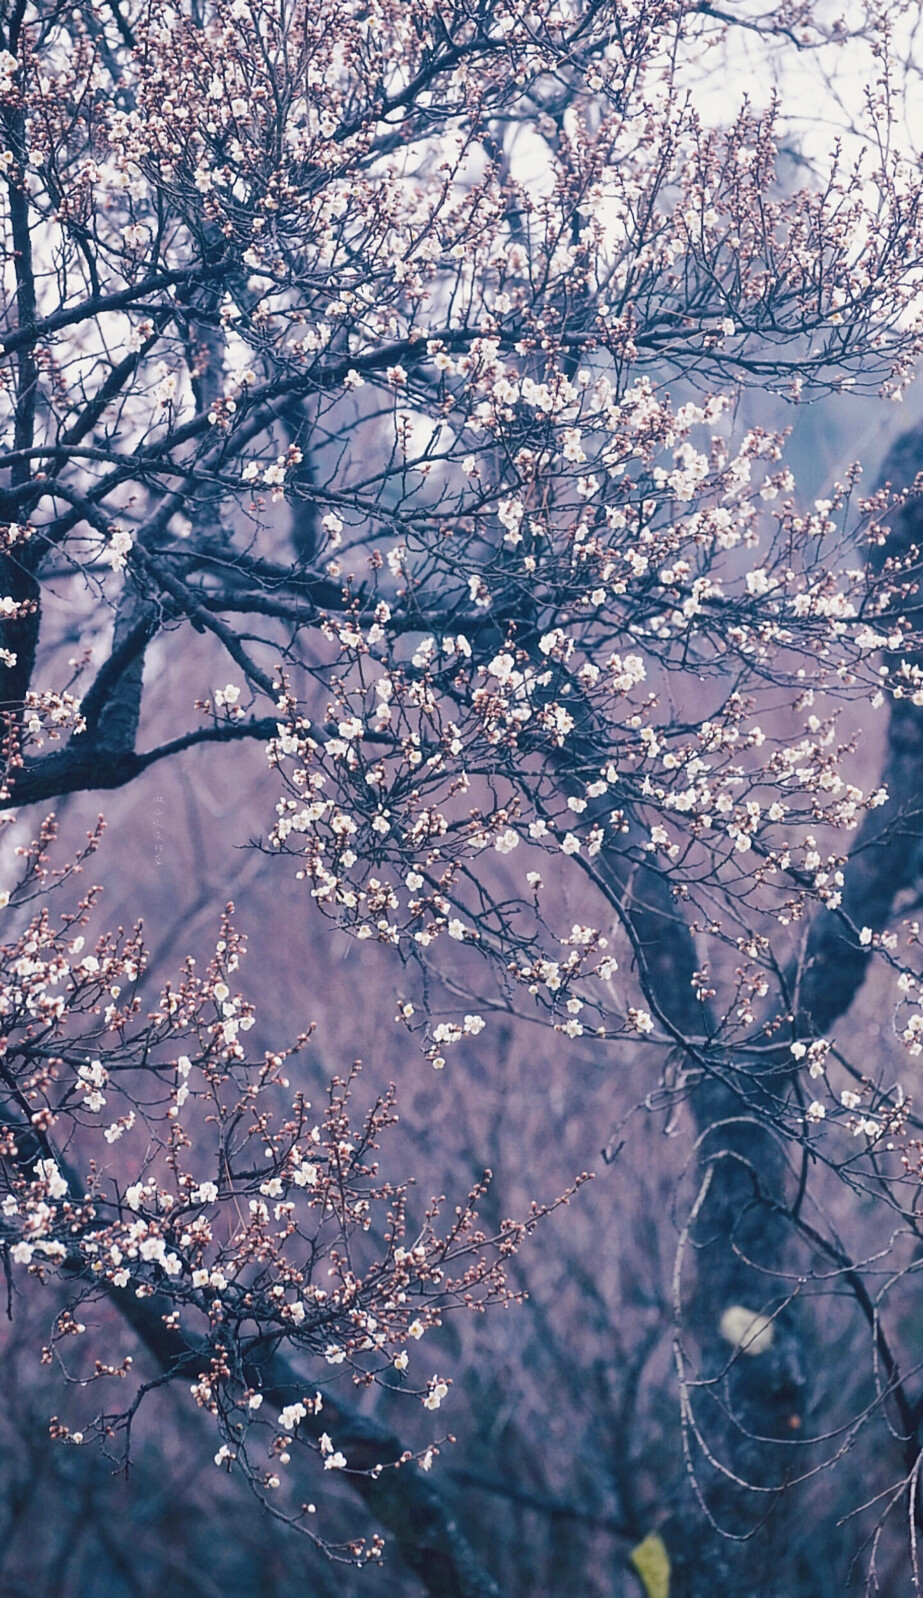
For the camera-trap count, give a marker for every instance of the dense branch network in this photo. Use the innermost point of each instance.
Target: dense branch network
(389, 356)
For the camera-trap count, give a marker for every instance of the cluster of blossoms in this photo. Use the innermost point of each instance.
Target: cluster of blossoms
(433, 755)
(145, 1153)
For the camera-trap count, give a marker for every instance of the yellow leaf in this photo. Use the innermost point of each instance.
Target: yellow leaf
(652, 1562)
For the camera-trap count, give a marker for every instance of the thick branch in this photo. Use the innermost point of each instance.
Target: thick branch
(82, 768)
(888, 852)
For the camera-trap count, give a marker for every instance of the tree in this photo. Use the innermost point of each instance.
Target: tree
(384, 361)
